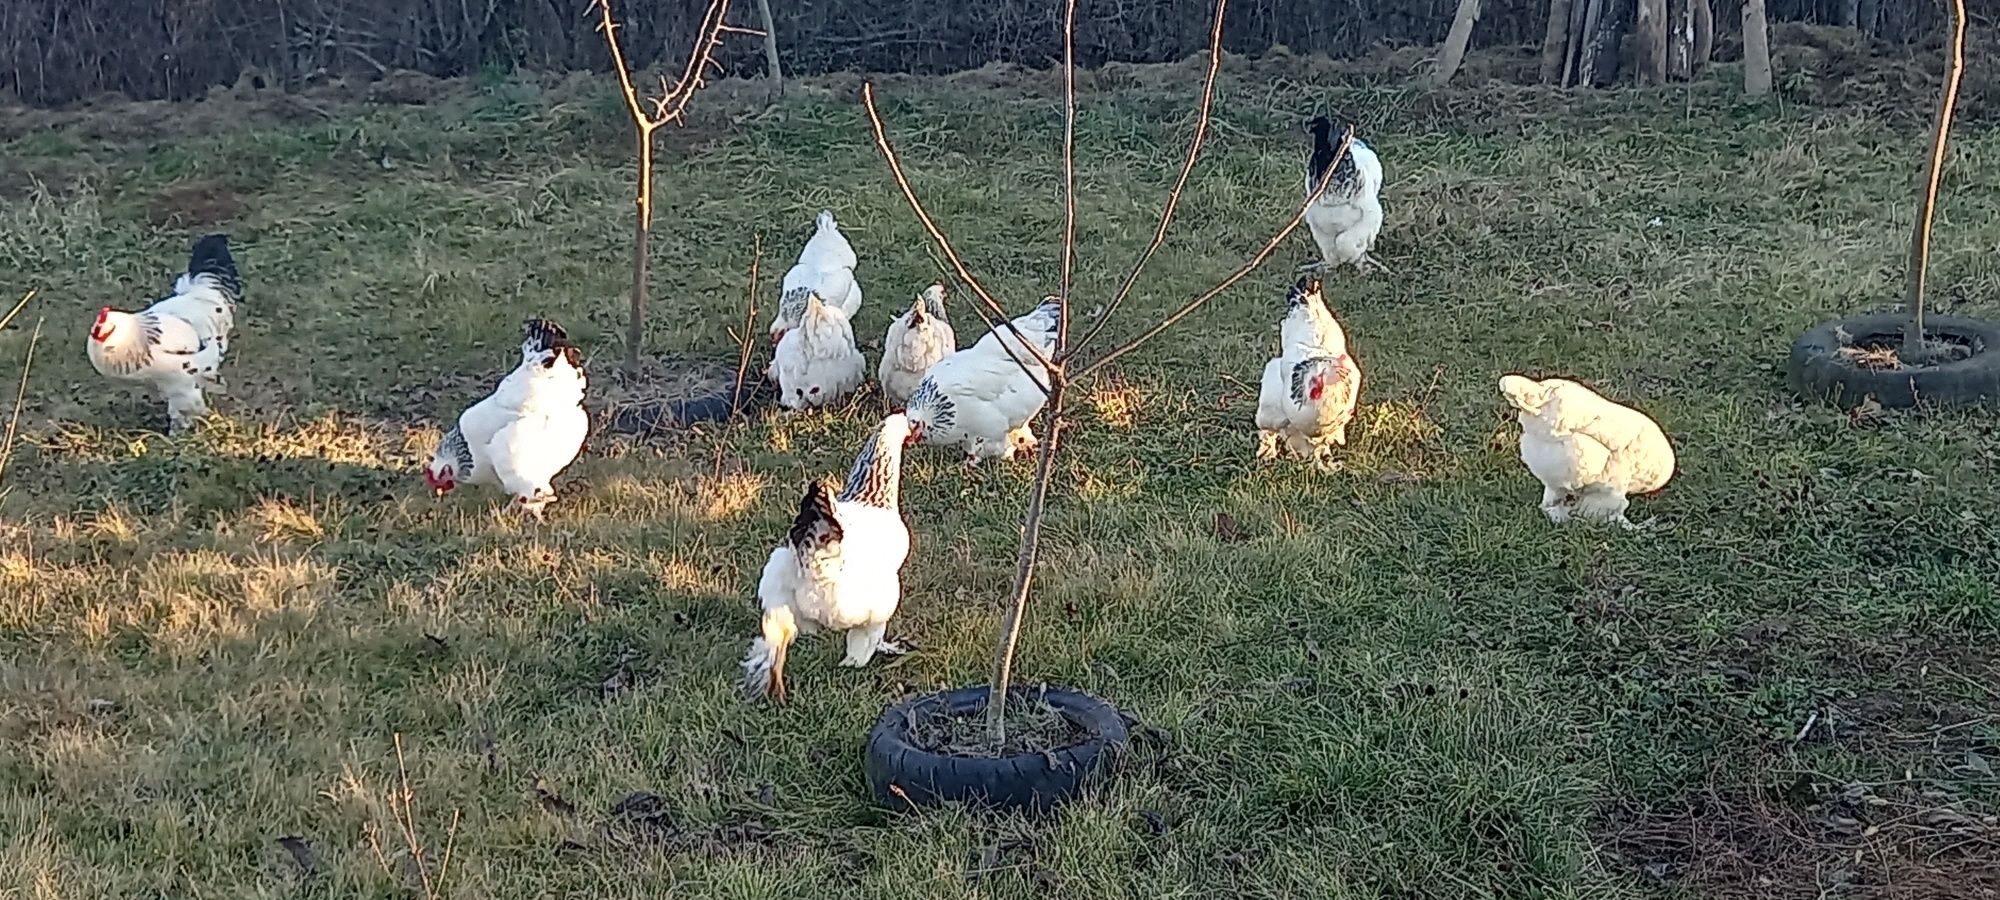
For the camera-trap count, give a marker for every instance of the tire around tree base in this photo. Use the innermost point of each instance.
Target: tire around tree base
(1816, 369)
(900, 773)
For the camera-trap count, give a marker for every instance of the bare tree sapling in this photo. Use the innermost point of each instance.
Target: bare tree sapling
(1915, 350)
(670, 107)
(1064, 367)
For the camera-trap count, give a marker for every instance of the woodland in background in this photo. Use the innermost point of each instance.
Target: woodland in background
(55, 52)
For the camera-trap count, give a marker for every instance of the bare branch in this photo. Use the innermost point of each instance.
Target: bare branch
(1346, 141)
(1173, 196)
(944, 245)
(1069, 182)
(674, 105)
(610, 31)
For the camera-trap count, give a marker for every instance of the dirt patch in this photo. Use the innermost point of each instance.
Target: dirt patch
(1033, 726)
(1802, 839)
(197, 205)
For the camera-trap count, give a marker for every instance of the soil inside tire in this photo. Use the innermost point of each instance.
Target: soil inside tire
(1883, 352)
(1033, 726)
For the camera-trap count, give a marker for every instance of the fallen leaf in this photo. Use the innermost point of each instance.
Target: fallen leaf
(301, 852)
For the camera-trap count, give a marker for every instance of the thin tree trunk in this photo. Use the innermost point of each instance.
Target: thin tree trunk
(1453, 52)
(1680, 41)
(771, 66)
(1002, 676)
(1555, 42)
(1585, 19)
(1920, 240)
(1868, 16)
(1605, 42)
(1756, 49)
(1652, 33)
(1704, 34)
(635, 325)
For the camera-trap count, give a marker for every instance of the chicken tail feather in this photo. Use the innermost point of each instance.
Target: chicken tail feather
(210, 257)
(764, 665)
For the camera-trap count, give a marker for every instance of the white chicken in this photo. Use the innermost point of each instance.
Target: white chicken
(1589, 453)
(840, 567)
(816, 362)
(982, 398)
(176, 346)
(917, 339)
(1310, 390)
(1347, 216)
(524, 433)
(825, 267)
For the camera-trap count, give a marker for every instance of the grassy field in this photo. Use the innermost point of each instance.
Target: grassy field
(1391, 681)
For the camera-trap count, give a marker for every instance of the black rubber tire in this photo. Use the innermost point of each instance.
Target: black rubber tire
(667, 415)
(1816, 369)
(901, 773)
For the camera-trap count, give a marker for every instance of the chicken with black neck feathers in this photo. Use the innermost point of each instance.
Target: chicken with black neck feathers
(524, 433)
(840, 566)
(1347, 216)
(176, 346)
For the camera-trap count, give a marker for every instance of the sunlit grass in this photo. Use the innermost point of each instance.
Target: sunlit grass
(1392, 680)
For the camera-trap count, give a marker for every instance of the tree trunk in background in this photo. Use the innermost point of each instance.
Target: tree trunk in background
(1846, 13)
(1585, 18)
(1651, 29)
(1606, 39)
(771, 66)
(1868, 16)
(1555, 42)
(1704, 33)
(1680, 41)
(1453, 52)
(1756, 49)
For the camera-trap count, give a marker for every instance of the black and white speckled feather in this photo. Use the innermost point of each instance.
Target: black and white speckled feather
(876, 479)
(1326, 143)
(935, 404)
(1302, 290)
(815, 527)
(454, 448)
(1302, 373)
(545, 336)
(792, 306)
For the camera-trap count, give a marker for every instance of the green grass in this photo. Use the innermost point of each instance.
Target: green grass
(1399, 681)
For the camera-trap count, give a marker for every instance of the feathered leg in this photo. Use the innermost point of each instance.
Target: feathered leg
(185, 405)
(862, 644)
(1555, 504)
(1268, 444)
(1607, 505)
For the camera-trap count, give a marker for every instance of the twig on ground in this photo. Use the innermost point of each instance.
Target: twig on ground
(20, 396)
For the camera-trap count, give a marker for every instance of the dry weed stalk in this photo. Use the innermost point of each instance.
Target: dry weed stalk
(670, 107)
(1059, 376)
(403, 810)
(747, 337)
(21, 395)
